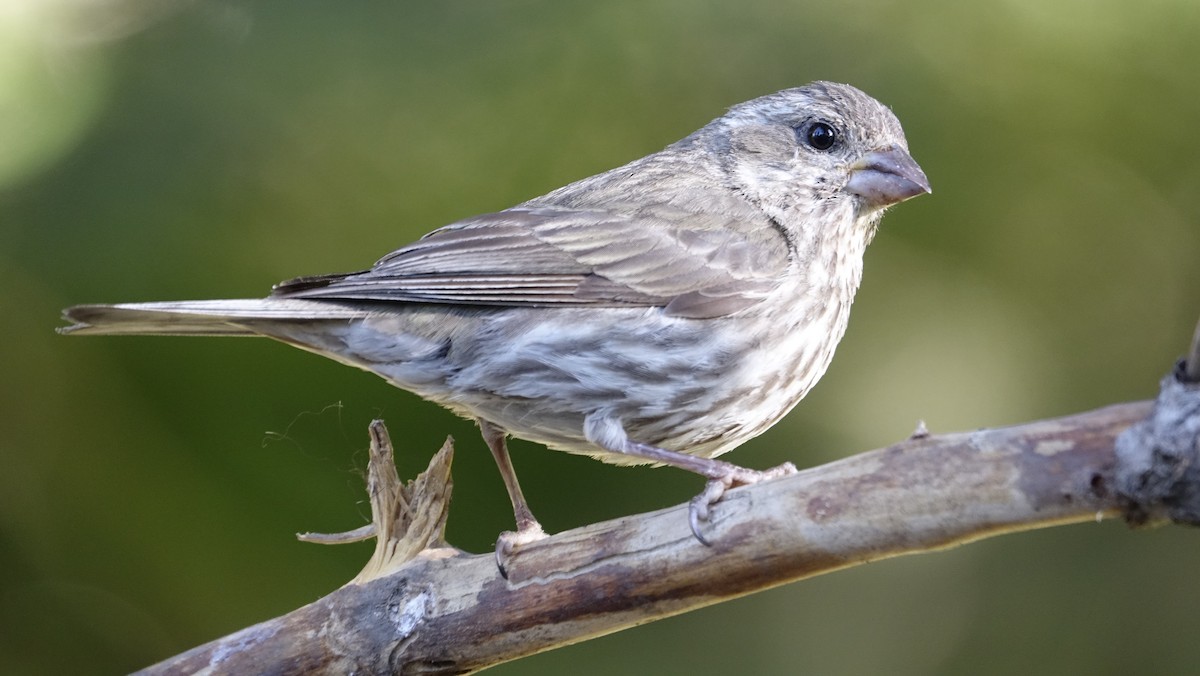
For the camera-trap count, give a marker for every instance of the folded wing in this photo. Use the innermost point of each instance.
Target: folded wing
(692, 264)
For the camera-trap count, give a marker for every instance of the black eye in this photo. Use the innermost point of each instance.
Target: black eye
(820, 136)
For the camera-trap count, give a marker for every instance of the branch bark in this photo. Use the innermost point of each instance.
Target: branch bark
(421, 606)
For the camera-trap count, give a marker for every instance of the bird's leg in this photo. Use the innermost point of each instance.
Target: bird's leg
(495, 439)
(721, 475)
(528, 528)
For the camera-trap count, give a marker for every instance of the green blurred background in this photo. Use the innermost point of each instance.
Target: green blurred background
(150, 487)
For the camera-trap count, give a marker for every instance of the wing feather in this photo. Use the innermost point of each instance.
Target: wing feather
(693, 264)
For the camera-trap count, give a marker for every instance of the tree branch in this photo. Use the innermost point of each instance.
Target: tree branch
(421, 606)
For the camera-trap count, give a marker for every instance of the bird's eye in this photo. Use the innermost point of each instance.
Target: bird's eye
(820, 135)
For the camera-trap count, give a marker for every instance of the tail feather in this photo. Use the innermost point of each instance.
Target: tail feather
(199, 317)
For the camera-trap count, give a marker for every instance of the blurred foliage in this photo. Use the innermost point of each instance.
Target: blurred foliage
(149, 487)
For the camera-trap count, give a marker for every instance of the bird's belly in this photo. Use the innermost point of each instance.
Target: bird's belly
(696, 386)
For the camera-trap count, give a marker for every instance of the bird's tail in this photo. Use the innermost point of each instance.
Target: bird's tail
(200, 317)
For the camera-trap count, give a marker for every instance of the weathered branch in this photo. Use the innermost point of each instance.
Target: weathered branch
(1160, 456)
(422, 607)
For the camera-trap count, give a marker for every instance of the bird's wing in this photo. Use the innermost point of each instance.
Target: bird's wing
(692, 264)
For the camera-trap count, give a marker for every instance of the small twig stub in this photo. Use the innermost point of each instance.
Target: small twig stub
(1158, 459)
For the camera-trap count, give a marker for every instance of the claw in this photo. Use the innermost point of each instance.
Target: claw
(714, 490)
(508, 542)
(695, 517)
(698, 508)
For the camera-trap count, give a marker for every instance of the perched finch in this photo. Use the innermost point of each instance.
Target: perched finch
(663, 312)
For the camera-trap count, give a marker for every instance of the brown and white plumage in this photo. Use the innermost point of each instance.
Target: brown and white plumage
(549, 256)
(664, 311)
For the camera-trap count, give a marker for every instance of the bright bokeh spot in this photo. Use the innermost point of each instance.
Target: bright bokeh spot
(52, 84)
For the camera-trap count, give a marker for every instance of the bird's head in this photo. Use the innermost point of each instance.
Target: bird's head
(821, 148)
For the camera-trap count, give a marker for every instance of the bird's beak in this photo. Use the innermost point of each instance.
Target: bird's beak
(887, 176)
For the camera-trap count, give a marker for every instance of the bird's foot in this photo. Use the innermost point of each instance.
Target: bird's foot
(714, 490)
(509, 541)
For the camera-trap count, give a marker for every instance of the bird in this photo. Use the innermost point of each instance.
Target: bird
(663, 312)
